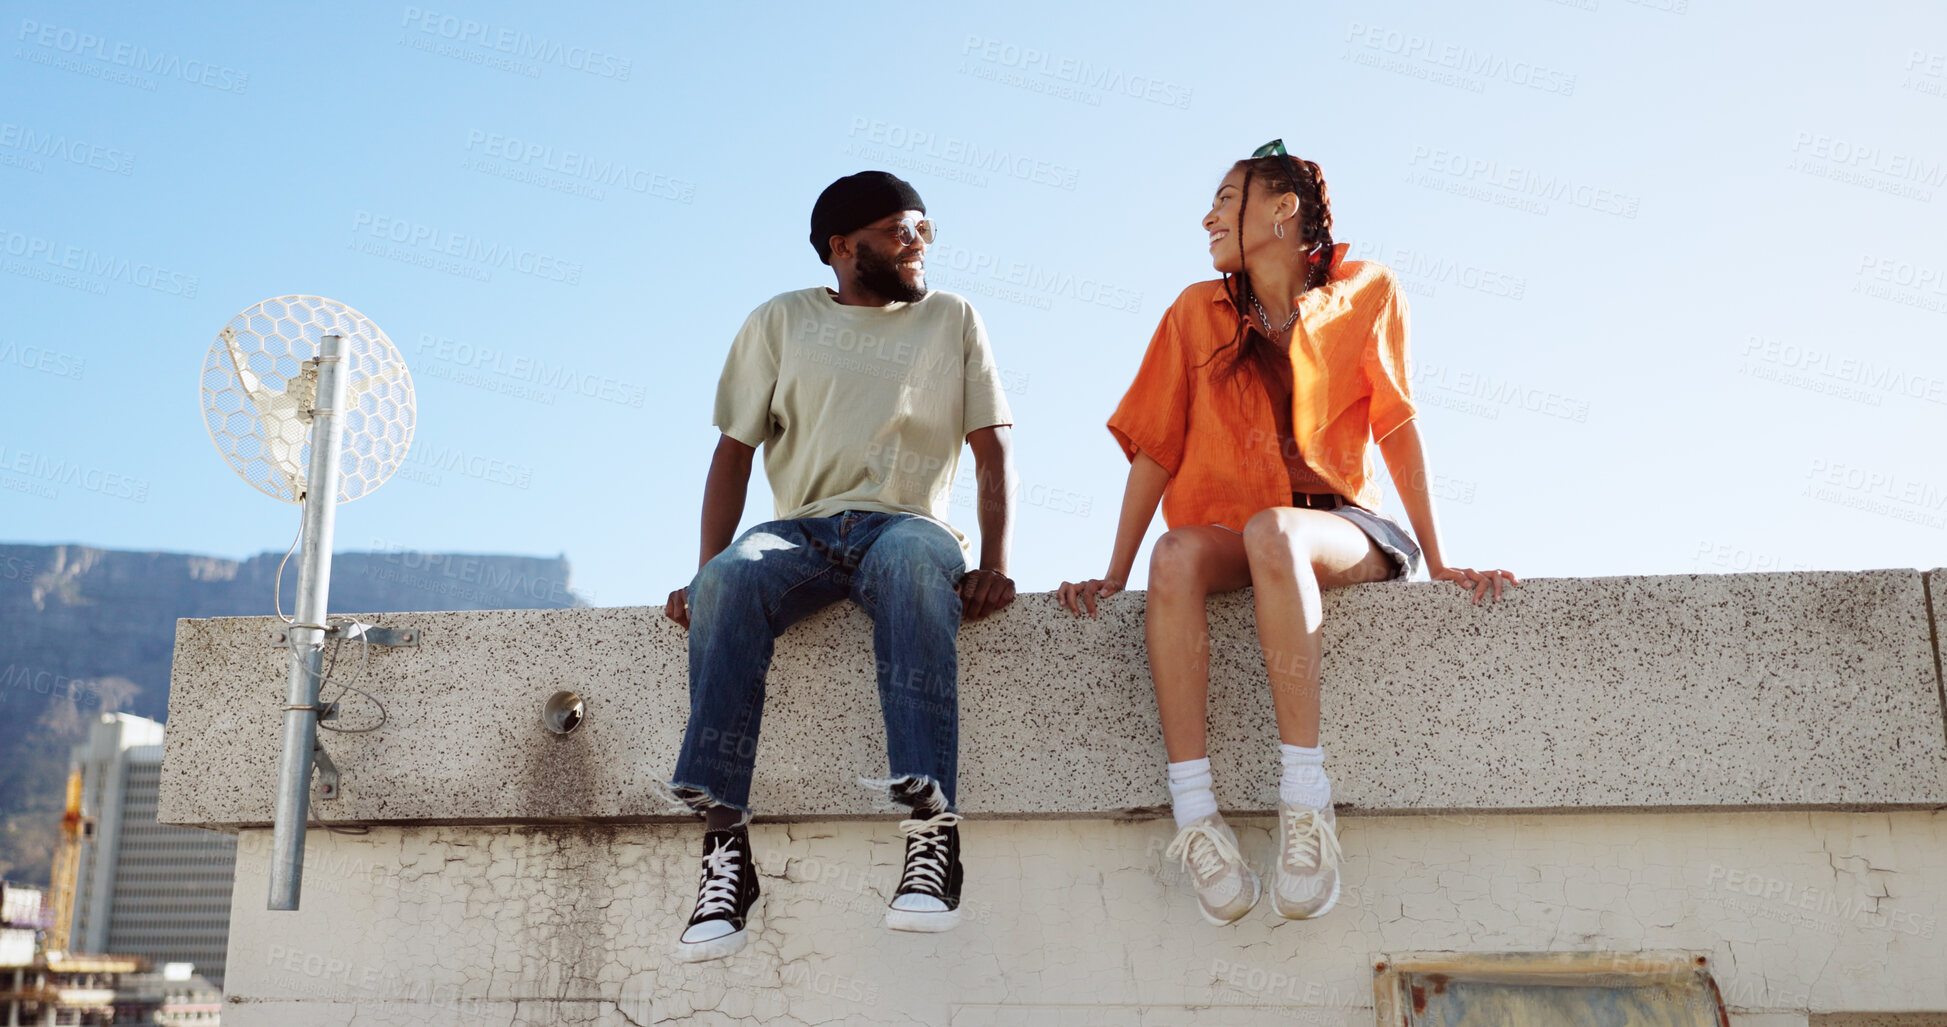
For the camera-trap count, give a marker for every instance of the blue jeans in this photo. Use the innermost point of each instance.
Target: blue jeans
(902, 569)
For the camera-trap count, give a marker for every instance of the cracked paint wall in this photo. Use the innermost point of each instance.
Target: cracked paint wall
(1079, 922)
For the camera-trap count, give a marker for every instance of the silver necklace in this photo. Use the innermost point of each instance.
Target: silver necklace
(1266, 322)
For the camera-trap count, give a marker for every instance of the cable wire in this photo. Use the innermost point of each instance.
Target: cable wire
(331, 665)
(364, 656)
(361, 829)
(277, 587)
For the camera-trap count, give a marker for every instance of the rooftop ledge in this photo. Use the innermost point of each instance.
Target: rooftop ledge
(1804, 690)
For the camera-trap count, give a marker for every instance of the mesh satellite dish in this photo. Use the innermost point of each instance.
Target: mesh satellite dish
(310, 403)
(260, 382)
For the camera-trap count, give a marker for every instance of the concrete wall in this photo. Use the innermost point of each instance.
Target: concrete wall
(1749, 768)
(1680, 692)
(1079, 922)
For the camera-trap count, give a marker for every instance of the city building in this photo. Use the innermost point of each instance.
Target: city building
(77, 991)
(143, 888)
(174, 996)
(57, 990)
(20, 914)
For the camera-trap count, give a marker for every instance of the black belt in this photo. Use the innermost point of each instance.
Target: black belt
(1317, 500)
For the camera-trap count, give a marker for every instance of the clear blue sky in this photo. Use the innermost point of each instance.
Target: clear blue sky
(1676, 267)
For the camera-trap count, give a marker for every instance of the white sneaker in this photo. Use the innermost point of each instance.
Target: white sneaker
(1226, 886)
(1306, 882)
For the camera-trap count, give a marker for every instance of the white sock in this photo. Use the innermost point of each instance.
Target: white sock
(1304, 782)
(1191, 797)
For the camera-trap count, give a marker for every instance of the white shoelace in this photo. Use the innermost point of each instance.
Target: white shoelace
(927, 858)
(1208, 859)
(1306, 842)
(718, 892)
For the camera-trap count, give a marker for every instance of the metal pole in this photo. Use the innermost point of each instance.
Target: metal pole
(308, 634)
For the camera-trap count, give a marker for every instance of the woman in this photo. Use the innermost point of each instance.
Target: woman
(1252, 419)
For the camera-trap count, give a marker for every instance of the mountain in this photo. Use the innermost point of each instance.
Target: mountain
(86, 631)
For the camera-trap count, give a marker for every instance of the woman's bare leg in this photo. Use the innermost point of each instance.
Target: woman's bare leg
(1188, 565)
(1292, 556)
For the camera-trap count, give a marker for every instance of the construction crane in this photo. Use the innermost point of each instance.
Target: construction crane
(63, 882)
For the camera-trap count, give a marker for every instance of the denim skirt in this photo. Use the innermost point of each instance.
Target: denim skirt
(1386, 533)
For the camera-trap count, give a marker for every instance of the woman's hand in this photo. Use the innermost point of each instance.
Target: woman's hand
(1479, 581)
(1076, 595)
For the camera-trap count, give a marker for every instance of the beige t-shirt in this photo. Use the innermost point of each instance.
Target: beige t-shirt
(860, 408)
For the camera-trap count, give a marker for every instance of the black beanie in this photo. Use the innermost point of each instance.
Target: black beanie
(855, 201)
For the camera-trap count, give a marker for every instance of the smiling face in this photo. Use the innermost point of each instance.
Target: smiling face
(879, 263)
(1260, 215)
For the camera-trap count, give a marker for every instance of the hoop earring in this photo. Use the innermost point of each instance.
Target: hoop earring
(1277, 228)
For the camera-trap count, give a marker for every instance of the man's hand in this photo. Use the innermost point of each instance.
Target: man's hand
(989, 588)
(678, 607)
(983, 592)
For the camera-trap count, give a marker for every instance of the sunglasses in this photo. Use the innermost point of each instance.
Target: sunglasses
(909, 231)
(1275, 148)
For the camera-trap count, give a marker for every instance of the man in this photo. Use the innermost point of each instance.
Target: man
(861, 399)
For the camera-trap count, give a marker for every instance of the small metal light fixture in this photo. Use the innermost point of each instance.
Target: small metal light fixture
(562, 713)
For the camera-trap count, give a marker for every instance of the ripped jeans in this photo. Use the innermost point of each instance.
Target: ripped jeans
(902, 569)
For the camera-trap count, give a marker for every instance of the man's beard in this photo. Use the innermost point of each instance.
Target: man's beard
(880, 275)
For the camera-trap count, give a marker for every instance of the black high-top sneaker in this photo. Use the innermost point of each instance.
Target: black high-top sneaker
(928, 898)
(723, 897)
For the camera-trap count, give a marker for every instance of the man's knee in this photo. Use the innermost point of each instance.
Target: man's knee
(735, 570)
(722, 574)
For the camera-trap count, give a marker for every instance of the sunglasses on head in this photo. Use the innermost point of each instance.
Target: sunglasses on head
(1275, 148)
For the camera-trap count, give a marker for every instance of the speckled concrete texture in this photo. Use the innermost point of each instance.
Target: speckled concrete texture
(1680, 692)
(1079, 922)
(1935, 581)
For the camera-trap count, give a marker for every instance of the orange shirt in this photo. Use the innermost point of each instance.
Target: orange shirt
(1277, 389)
(1220, 441)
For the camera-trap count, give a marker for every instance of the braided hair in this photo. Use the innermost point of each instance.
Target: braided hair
(1251, 347)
